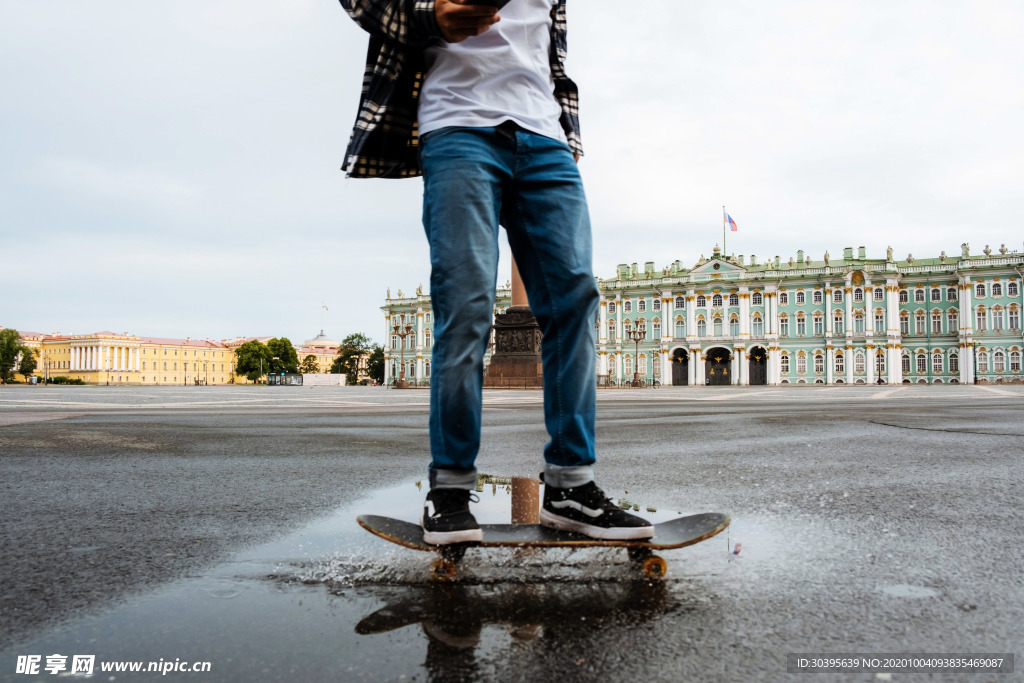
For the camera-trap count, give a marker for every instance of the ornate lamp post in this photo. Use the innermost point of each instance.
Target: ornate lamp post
(402, 330)
(640, 333)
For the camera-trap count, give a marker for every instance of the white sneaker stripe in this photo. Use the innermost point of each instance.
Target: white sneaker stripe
(589, 512)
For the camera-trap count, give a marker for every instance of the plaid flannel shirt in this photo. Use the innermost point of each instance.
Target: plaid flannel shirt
(384, 142)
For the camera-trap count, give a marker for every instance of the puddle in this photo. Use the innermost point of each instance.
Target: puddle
(332, 601)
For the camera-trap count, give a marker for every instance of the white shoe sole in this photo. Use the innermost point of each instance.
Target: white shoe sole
(621, 533)
(447, 537)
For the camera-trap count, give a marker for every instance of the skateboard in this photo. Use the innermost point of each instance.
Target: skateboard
(675, 533)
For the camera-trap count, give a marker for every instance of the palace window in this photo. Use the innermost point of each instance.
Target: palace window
(680, 303)
(641, 306)
(428, 339)
(627, 327)
(817, 296)
(954, 363)
(879, 294)
(394, 341)
(1011, 289)
(657, 365)
(784, 364)
(858, 323)
(702, 328)
(937, 364)
(837, 296)
(718, 326)
(997, 289)
(819, 363)
(784, 327)
(951, 294)
(680, 328)
(980, 319)
(627, 306)
(979, 290)
(999, 361)
(837, 324)
(656, 330)
(997, 318)
(783, 299)
(879, 362)
(905, 364)
(1014, 361)
(840, 365)
(801, 363)
(904, 297)
(701, 301)
(919, 322)
(611, 308)
(936, 323)
(858, 362)
(819, 325)
(919, 296)
(734, 326)
(756, 299)
(758, 326)
(426, 368)
(800, 299)
(716, 301)
(428, 317)
(904, 323)
(879, 322)
(801, 324)
(952, 322)
(858, 294)
(936, 294)
(1014, 319)
(657, 304)
(611, 330)
(629, 364)
(922, 364)
(983, 361)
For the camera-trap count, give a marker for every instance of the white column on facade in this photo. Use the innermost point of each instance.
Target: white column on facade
(870, 353)
(744, 370)
(699, 369)
(602, 331)
(967, 363)
(966, 306)
(73, 361)
(136, 353)
(829, 325)
(830, 364)
(848, 299)
(895, 367)
(419, 329)
(849, 353)
(744, 295)
(691, 315)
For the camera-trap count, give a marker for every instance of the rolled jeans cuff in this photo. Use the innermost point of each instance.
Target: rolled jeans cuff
(453, 479)
(567, 477)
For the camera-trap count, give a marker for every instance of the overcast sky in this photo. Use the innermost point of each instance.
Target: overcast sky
(171, 167)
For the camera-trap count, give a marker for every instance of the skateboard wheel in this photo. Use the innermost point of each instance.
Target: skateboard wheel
(443, 569)
(654, 567)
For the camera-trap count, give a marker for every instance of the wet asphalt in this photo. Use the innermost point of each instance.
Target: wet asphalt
(217, 524)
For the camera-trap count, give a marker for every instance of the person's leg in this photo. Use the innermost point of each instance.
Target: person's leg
(463, 174)
(549, 231)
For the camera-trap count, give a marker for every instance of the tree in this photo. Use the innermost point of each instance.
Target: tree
(10, 347)
(375, 364)
(352, 349)
(284, 358)
(309, 365)
(248, 358)
(28, 362)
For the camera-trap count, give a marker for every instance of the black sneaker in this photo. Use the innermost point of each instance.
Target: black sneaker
(588, 510)
(447, 519)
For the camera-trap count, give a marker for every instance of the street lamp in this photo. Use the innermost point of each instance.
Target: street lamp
(636, 336)
(402, 330)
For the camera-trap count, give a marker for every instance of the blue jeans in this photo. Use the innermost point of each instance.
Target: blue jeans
(474, 179)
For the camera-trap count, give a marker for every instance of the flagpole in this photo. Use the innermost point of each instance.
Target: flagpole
(723, 230)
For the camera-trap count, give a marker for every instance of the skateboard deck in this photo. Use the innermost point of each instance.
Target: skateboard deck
(675, 533)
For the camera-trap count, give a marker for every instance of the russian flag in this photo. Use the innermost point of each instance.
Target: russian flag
(732, 223)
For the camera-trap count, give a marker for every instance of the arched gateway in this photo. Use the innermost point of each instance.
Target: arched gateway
(758, 366)
(680, 367)
(716, 367)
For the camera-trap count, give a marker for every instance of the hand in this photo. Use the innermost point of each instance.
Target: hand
(459, 19)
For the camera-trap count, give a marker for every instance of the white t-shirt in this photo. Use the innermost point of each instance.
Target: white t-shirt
(502, 74)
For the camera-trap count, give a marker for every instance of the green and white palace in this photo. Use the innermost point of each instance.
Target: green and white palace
(729, 320)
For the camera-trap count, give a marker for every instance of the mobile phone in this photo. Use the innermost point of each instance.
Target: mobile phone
(491, 3)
